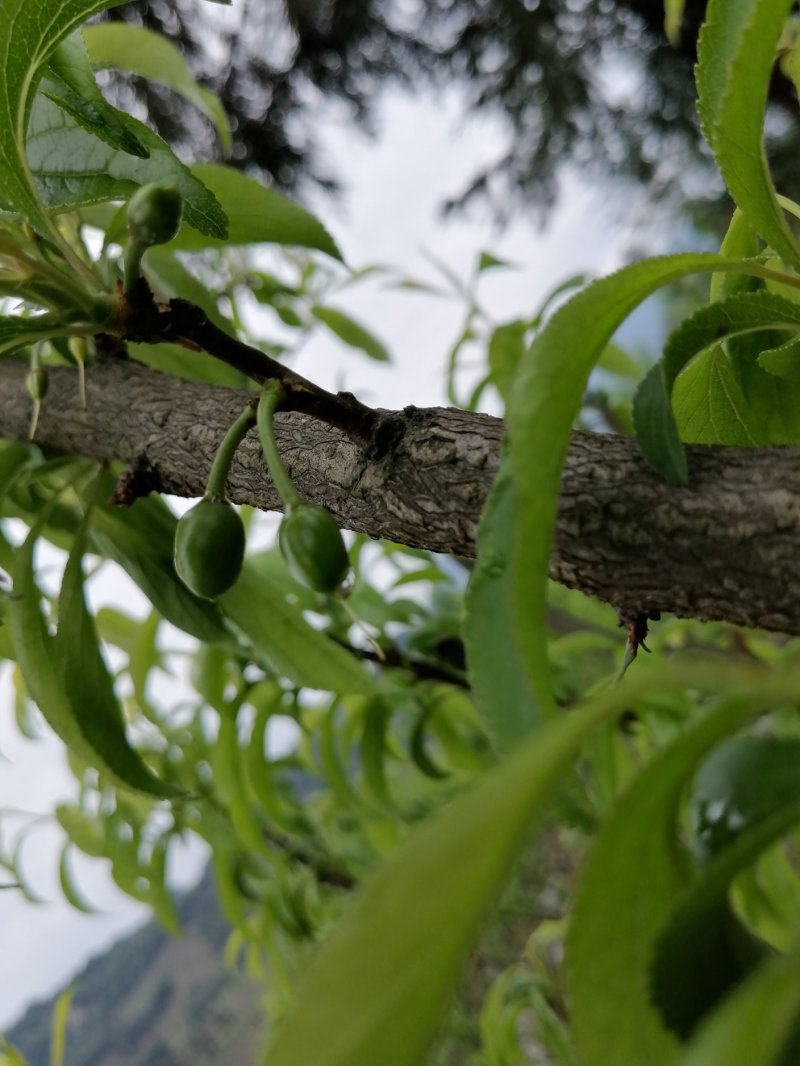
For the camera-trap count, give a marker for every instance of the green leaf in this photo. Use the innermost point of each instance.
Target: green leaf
(170, 278)
(295, 650)
(29, 31)
(408, 931)
(630, 883)
(673, 17)
(655, 429)
(69, 82)
(153, 56)
(755, 1024)
(58, 1036)
(415, 919)
(710, 407)
(72, 168)
(746, 797)
(67, 677)
(713, 405)
(256, 215)
(546, 399)
(71, 893)
(181, 362)
(16, 332)
(141, 540)
(496, 667)
(89, 687)
(783, 361)
(351, 332)
(33, 650)
(736, 53)
(487, 261)
(506, 348)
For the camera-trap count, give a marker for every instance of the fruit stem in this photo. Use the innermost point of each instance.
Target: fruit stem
(217, 478)
(132, 262)
(271, 398)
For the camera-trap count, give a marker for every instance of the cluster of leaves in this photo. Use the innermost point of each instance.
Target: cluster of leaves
(416, 770)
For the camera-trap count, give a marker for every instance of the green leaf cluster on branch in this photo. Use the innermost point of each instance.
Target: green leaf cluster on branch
(473, 714)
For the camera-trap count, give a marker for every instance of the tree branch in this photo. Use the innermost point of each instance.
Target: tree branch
(724, 548)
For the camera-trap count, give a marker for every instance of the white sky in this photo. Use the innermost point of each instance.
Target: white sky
(389, 216)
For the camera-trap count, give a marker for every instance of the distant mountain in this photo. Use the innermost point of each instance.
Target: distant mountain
(157, 1000)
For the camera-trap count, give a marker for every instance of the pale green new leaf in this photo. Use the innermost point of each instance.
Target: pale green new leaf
(153, 56)
(69, 82)
(736, 53)
(256, 215)
(277, 631)
(753, 1026)
(351, 332)
(546, 399)
(633, 876)
(496, 667)
(72, 168)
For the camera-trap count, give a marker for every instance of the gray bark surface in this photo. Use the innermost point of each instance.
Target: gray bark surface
(725, 547)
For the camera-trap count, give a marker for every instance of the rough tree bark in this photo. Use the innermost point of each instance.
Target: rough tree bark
(726, 547)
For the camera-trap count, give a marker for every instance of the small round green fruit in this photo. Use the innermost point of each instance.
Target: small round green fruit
(312, 545)
(209, 548)
(154, 213)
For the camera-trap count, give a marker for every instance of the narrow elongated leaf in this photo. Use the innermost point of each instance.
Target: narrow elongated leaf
(754, 1026)
(546, 399)
(411, 926)
(69, 82)
(735, 56)
(72, 168)
(89, 688)
(496, 667)
(29, 31)
(151, 55)
(33, 650)
(630, 883)
(278, 632)
(16, 332)
(256, 215)
(65, 675)
(351, 332)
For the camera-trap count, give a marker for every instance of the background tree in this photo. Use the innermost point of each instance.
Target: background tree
(596, 86)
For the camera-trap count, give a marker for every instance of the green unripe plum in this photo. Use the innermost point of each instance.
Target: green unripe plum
(312, 545)
(209, 548)
(154, 213)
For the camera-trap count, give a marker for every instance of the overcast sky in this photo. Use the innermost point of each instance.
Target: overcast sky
(390, 215)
